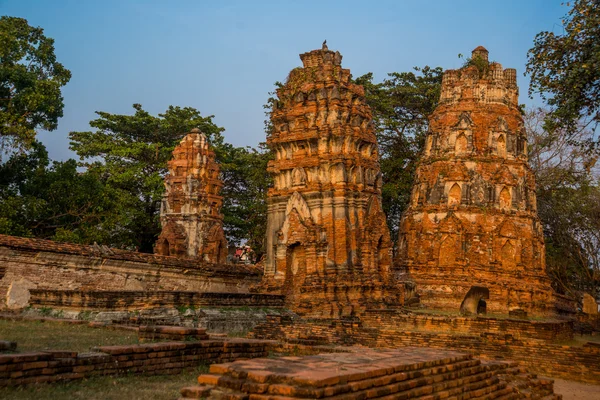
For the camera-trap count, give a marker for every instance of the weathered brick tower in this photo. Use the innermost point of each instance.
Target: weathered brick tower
(328, 245)
(472, 220)
(192, 224)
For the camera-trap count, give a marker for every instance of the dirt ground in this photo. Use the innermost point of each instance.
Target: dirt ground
(576, 390)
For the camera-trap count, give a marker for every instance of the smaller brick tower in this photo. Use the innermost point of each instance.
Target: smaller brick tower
(472, 225)
(192, 224)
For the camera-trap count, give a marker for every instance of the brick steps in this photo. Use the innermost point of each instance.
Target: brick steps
(528, 385)
(457, 378)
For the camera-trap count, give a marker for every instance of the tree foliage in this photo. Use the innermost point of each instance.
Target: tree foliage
(565, 69)
(130, 154)
(52, 200)
(30, 83)
(246, 181)
(568, 197)
(401, 105)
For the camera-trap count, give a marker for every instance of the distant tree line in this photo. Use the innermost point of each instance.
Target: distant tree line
(112, 194)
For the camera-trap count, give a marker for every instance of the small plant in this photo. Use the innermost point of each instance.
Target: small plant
(482, 65)
(183, 309)
(45, 311)
(85, 315)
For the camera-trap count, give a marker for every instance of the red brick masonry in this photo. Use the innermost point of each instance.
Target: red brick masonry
(580, 363)
(151, 358)
(43, 264)
(364, 374)
(130, 300)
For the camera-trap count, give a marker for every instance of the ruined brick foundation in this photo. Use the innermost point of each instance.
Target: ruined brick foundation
(537, 346)
(408, 373)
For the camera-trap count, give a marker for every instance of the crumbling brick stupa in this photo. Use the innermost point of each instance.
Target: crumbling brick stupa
(328, 245)
(192, 223)
(472, 221)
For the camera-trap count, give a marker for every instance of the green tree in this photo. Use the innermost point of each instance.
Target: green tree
(30, 83)
(130, 153)
(568, 198)
(565, 69)
(401, 105)
(52, 201)
(246, 182)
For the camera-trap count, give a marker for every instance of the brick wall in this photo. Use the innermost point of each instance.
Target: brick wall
(569, 362)
(134, 300)
(152, 359)
(543, 330)
(43, 264)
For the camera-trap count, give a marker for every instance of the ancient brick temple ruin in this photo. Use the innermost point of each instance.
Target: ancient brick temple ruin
(328, 245)
(472, 222)
(192, 223)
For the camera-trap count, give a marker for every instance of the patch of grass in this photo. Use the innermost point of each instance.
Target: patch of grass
(183, 309)
(46, 311)
(130, 387)
(579, 340)
(237, 334)
(86, 315)
(37, 335)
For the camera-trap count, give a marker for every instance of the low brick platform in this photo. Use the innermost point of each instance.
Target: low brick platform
(170, 333)
(127, 300)
(149, 359)
(408, 373)
(579, 363)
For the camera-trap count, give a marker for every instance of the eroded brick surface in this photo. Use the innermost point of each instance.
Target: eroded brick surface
(364, 374)
(190, 215)
(66, 267)
(533, 346)
(472, 220)
(148, 359)
(150, 299)
(328, 245)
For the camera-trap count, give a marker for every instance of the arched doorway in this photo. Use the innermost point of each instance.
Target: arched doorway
(163, 248)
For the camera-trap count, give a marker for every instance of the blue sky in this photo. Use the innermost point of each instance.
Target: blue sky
(222, 57)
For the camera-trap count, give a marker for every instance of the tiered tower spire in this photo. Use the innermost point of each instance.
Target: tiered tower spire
(328, 245)
(472, 221)
(190, 213)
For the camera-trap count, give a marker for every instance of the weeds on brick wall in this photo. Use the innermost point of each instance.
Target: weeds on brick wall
(233, 309)
(237, 334)
(183, 309)
(268, 310)
(86, 315)
(45, 311)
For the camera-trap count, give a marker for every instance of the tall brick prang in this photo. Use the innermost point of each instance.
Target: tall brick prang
(328, 245)
(190, 215)
(472, 221)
